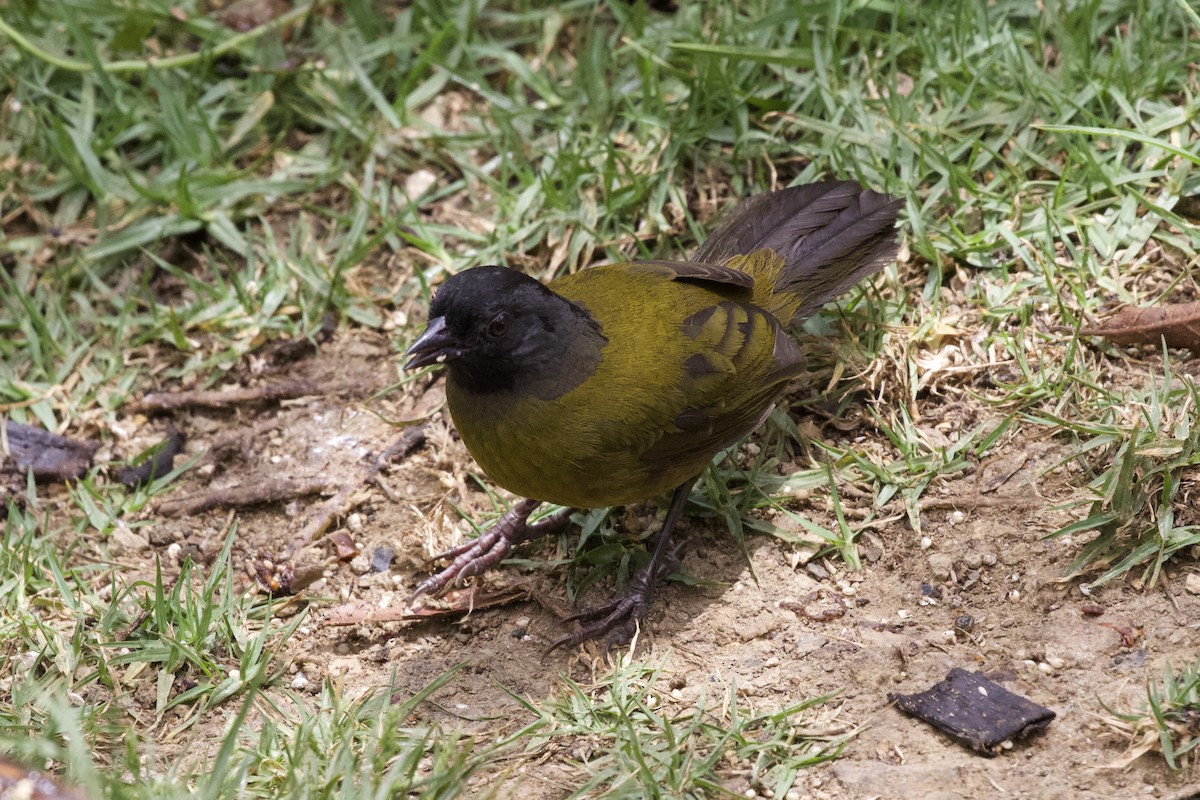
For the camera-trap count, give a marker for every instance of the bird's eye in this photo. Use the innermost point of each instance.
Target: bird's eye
(499, 325)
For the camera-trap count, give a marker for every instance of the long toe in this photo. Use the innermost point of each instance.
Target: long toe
(616, 621)
(490, 548)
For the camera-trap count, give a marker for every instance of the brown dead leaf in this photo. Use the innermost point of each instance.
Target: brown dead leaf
(454, 603)
(1178, 324)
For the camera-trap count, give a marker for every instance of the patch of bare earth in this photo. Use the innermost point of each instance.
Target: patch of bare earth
(977, 588)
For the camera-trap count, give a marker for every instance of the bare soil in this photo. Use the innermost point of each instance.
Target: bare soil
(797, 631)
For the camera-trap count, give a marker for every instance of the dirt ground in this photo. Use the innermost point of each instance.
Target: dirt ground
(980, 554)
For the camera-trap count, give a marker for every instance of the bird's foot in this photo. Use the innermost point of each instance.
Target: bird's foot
(618, 619)
(491, 547)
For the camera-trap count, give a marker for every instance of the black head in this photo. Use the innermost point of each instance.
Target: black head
(497, 329)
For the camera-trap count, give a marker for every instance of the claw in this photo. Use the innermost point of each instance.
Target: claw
(490, 548)
(618, 619)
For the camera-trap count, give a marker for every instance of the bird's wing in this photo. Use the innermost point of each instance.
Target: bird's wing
(738, 360)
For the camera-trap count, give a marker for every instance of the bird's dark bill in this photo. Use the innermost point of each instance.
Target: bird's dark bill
(435, 346)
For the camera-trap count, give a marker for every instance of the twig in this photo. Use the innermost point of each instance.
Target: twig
(271, 392)
(244, 495)
(405, 444)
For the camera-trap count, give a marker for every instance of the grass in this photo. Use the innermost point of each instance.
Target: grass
(1140, 467)
(1169, 722)
(630, 737)
(174, 192)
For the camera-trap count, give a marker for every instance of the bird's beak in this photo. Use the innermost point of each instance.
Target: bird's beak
(434, 346)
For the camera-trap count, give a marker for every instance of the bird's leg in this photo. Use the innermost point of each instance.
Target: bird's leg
(617, 619)
(491, 547)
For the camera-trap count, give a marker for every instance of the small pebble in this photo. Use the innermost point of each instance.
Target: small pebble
(381, 558)
(973, 560)
(300, 681)
(903, 613)
(816, 570)
(941, 565)
(174, 552)
(964, 622)
(522, 622)
(989, 559)
(926, 543)
(676, 694)
(355, 521)
(1056, 662)
(1045, 668)
(360, 565)
(957, 517)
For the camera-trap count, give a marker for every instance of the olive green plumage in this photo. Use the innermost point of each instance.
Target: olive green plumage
(621, 382)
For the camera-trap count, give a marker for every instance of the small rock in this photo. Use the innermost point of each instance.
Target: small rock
(355, 521)
(161, 535)
(973, 560)
(817, 571)
(1192, 583)
(300, 681)
(419, 183)
(989, 559)
(381, 559)
(126, 542)
(360, 565)
(926, 543)
(940, 565)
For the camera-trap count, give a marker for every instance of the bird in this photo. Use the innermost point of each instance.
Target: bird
(620, 382)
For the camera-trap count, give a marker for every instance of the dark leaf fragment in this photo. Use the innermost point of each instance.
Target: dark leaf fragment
(24, 448)
(978, 712)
